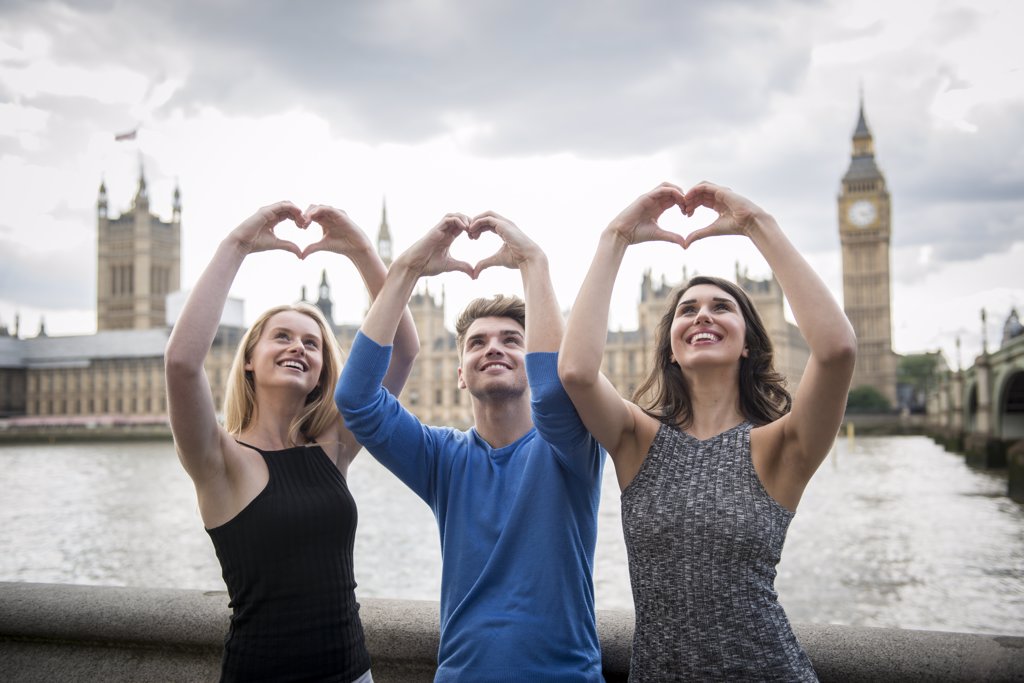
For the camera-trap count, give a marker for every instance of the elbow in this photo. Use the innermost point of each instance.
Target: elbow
(406, 352)
(344, 406)
(843, 351)
(573, 375)
(345, 399)
(180, 364)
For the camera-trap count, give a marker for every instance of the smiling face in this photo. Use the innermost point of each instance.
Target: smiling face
(288, 353)
(707, 328)
(494, 359)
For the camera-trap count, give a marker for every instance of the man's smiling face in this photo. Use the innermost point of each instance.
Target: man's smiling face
(494, 359)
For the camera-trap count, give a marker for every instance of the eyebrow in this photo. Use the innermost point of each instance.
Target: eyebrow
(716, 298)
(501, 333)
(284, 328)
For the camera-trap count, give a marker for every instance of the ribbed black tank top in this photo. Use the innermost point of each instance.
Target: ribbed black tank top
(287, 562)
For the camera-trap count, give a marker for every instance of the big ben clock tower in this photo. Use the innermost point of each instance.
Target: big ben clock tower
(865, 232)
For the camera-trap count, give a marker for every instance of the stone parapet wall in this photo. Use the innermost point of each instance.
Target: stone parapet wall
(51, 632)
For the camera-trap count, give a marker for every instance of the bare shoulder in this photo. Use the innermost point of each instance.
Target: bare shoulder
(629, 457)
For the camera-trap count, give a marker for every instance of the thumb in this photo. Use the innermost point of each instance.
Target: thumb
(669, 236)
(456, 266)
(699, 234)
(495, 259)
(319, 245)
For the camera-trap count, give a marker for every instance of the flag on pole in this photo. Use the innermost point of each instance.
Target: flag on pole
(130, 135)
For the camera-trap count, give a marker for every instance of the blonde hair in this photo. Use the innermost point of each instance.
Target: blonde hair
(319, 412)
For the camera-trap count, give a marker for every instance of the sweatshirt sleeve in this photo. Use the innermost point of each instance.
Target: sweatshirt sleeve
(377, 419)
(557, 421)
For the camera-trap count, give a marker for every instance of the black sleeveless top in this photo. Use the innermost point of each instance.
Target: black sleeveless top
(287, 562)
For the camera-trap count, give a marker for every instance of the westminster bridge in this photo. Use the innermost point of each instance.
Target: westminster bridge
(980, 411)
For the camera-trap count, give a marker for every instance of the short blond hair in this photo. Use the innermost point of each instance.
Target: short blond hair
(320, 411)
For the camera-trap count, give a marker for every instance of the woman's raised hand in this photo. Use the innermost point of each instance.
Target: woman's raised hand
(737, 215)
(341, 234)
(638, 222)
(256, 233)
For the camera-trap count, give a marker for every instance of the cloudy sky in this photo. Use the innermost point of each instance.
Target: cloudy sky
(555, 114)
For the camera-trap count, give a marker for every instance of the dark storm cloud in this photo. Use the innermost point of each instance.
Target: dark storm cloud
(591, 78)
(594, 79)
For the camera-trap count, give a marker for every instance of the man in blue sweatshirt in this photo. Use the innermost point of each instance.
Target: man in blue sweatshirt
(516, 496)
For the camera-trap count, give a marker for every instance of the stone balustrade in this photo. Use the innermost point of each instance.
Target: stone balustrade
(56, 632)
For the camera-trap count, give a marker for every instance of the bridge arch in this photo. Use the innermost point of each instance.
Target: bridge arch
(970, 407)
(1009, 406)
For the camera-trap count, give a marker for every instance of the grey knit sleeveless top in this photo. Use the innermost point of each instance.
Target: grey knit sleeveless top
(703, 538)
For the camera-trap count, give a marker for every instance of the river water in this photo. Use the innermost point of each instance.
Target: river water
(892, 531)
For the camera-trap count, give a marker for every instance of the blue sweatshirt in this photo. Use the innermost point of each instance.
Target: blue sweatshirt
(518, 524)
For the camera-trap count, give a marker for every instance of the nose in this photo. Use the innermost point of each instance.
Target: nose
(298, 346)
(494, 347)
(703, 315)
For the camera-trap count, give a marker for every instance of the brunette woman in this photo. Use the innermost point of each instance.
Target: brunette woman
(711, 454)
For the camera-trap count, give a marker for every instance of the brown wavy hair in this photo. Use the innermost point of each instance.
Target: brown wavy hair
(320, 411)
(665, 394)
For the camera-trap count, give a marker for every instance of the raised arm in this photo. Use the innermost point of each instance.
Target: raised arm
(807, 432)
(197, 436)
(428, 256)
(392, 434)
(343, 236)
(544, 323)
(610, 418)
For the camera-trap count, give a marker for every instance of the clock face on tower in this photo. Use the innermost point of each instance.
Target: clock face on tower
(862, 213)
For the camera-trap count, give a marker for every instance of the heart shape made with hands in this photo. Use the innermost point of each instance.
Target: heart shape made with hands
(300, 237)
(475, 250)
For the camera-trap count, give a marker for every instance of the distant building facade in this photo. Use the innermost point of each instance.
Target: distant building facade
(138, 263)
(119, 370)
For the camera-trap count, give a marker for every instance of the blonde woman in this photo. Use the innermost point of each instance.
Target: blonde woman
(711, 455)
(271, 482)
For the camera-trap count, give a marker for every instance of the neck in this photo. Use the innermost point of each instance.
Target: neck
(715, 402)
(271, 421)
(500, 422)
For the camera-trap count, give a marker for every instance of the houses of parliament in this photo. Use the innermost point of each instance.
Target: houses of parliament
(118, 371)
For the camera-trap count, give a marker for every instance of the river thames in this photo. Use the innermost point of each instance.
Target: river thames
(892, 531)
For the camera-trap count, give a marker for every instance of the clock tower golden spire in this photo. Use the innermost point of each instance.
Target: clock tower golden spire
(865, 234)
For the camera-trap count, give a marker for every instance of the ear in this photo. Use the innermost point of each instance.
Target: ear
(462, 382)
(672, 359)
(746, 352)
(248, 366)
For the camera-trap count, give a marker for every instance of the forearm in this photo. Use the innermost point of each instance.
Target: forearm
(374, 273)
(587, 330)
(544, 323)
(818, 315)
(388, 311)
(196, 327)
